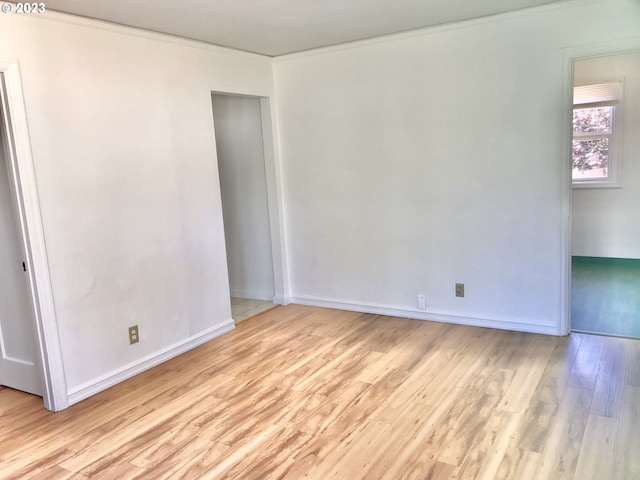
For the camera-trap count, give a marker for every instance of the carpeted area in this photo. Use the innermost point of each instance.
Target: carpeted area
(605, 296)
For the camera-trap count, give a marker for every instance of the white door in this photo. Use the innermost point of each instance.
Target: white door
(19, 364)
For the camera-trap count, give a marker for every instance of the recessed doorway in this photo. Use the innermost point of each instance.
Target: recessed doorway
(245, 206)
(20, 362)
(605, 250)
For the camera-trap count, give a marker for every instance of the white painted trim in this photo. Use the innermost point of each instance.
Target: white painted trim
(85, 22)
(53, 15)
(445, 317)
(18, 360)
(564, 314)
(613, 91)
(55, 391)
(273, 173)
(432, 30)
(281, 300)
(121, 374)
(571, 55)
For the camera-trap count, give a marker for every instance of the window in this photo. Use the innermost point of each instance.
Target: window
(595, 132)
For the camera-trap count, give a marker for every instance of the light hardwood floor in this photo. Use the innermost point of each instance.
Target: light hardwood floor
(301, 392)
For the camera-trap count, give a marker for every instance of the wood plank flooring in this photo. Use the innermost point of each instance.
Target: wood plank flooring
(302, 392)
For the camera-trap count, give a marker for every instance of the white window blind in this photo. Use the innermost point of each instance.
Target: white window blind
(599, 93)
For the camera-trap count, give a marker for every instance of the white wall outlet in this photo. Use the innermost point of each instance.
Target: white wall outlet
(422, 303)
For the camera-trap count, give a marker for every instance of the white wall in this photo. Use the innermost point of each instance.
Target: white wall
(606, 221)
(419, 160)
(243, 185)
(410, 164)
(124, 153)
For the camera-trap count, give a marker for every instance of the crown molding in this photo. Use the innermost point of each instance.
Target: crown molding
(85, 22)
(435, 30)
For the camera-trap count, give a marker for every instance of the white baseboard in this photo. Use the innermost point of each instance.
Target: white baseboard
(281, 299)
(110, 379)
(395, 311)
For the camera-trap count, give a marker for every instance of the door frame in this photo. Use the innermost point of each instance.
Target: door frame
(571, 55)
(22, 176)
(275, 203)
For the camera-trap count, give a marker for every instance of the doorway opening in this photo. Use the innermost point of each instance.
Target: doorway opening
(247, 212)
(20, 366)
(25, 218)
(605, 233)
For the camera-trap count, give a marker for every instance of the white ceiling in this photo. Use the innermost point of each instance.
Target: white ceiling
(277, 27)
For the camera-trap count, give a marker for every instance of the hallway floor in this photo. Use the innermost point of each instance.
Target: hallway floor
(605, 296)
(243, 308)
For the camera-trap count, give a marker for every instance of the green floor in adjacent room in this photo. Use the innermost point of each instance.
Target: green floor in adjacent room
(605, 296)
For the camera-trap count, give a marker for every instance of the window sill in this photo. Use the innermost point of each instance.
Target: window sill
(583, 185)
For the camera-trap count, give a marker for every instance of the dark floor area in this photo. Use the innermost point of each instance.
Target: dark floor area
(605, 296)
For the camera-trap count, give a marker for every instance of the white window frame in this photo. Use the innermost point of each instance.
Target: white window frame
(601, 95)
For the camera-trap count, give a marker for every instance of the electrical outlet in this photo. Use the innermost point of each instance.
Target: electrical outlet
(422, 304)
(459, 289)
(134, 335)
